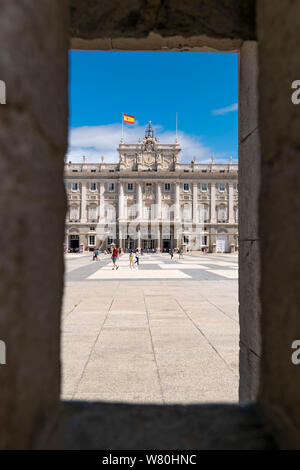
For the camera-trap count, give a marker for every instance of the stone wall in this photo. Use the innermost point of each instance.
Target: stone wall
(33, 138)
(279, 213)
(33, 135)
(160, 24)
(249, 260)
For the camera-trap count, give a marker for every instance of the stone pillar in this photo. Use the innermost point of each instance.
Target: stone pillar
(83, 203)
(139, 199)
(249, 259)
(158, 201)
(213, 219)
(230, 205)
(177, 202)
(121, 201)
(101, 202)
(34, 121)
(195, 202)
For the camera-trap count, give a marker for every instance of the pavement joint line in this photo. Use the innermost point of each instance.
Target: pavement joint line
(92, 349)
(209, 342)
(154, 354)
(224, 313)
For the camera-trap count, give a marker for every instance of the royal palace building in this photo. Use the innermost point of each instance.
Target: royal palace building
(150, 200)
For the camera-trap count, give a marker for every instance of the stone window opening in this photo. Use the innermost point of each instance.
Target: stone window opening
(65, 425)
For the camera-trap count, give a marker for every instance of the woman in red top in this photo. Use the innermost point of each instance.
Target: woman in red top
(114, 257)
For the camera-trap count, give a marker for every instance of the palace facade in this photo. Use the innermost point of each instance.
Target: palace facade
(152, 201)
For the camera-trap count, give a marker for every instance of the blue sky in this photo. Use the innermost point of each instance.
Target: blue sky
(201, 87)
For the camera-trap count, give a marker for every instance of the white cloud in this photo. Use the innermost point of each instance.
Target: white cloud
(94, 141)
(226, 110)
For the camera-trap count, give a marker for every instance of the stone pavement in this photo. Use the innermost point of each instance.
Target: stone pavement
(164, 333)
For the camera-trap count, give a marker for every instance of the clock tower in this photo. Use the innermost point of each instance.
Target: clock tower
(149, 154)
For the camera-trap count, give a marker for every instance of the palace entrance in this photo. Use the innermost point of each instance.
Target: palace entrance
(74, 243)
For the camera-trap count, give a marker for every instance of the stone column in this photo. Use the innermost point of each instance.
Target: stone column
(139, 199)
(249, 249)
(121, 201)
(230, 205)
(213, 219)
(158, 201)
(177, 202)
(83, 203)
(101, 202)
(195, 202)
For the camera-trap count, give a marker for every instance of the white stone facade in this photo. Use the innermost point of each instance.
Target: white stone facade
(150, 200)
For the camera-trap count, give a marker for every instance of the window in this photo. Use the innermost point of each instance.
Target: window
(167, 186)
(186, 240)
(222, 171)
(204, 187)
(110, 240)
(221, 187)
(92, 229)
(187, 212)
(148, 184)
(74, 186)
(204, 240)
(93, 186)
(92, 240)
(204, 171)
(147, 212)
(222, 214)
(130, 186)
(203, 214)
(92, 213)
(75, 171)
(132, 212)
(236, 187)
(93, 171)
(111, 186)
(186, 186)
(74, 213)
(110, 214)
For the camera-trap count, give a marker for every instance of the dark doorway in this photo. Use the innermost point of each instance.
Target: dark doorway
(74, 243)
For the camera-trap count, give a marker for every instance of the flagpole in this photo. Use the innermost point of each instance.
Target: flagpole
(176, 126)
(122, 126)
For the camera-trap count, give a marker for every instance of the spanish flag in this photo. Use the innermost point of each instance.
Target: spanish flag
(129, 119)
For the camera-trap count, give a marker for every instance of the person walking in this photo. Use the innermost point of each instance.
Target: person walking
(131, 265)
(171, 253)
(115, 256)
(137, 258)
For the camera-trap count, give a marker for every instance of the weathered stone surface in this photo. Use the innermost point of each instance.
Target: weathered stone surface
(249, 187)
(249, 367)
(279, 213)
(226, 19)
(119, 426)
(249, 256)
(33, 135)
(249, 282)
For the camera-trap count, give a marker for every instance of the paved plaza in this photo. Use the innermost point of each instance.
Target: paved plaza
(166, 332)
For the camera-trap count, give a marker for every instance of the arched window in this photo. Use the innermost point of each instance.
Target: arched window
(222, 214)
(110, 213)
(166, 212)
(187, 213)
(147, 212)
(203, 213)
(92, 213)
(74, 213)
(131, 210)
